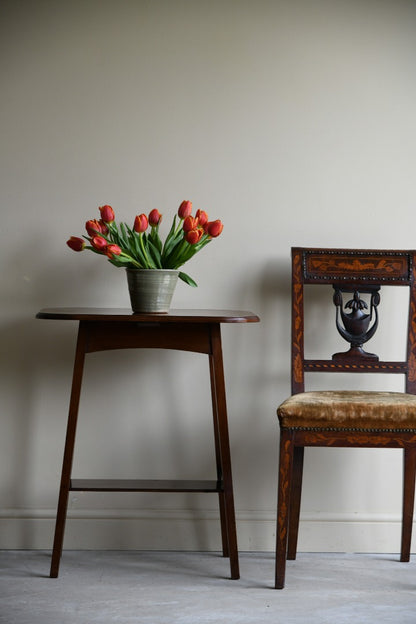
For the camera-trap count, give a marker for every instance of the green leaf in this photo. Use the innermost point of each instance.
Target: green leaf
(154, 253)
(124, 235)
(136, 248)
(171, 240)
(155, 238)
(113, 235)
(187, 279)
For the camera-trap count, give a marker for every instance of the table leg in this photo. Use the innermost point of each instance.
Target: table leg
(226, 498)
(68, 452)
(221, 496)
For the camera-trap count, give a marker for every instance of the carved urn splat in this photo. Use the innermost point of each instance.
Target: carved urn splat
(354, 326)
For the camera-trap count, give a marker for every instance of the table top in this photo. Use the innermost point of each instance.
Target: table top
(126, 315)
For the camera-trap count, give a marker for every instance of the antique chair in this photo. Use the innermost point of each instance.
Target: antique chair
(346, 418)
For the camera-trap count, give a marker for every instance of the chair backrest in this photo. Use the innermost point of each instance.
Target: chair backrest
(356, 276)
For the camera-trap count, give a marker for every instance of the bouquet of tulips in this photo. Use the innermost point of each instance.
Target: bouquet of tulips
(138, 247)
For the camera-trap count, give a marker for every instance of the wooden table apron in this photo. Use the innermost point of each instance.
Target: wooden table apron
(196, 331)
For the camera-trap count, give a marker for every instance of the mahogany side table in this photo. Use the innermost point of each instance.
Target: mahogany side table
(198, 331)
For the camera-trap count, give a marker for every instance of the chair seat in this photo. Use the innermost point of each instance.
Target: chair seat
(349, 410)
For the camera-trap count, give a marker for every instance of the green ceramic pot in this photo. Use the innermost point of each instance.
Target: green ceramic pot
(151, 290)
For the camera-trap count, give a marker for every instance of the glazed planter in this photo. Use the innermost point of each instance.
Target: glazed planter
(151, 290)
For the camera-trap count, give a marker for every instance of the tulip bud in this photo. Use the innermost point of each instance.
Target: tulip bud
(189, 223)
(194, 236)
(99, 243)
(154, 217)
(185, 209)
(202, 217)
(107, 214)
(76, 243)
(214, 228)
(140, 223)
(112, 250)
(93, 227)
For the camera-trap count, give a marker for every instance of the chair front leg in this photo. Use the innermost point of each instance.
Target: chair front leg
(409, 473)
(283, 503)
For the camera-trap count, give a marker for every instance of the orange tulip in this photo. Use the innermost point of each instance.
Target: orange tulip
(94, 227)
(214, 228)
(140, 223)
(76, 243)
(113, 250)
(107, 214)
(202, 217)
(99, 243)
(190, 223)
(185, 209)
(154, 217)
(194, 236)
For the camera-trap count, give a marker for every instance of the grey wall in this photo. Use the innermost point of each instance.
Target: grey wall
(293, 122)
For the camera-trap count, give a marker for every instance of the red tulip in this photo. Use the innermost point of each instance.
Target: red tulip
(99, 243)
(214, 228)
(202, 217)
(154, 217)
(194, 236)
(140, 223)
(94, 227)
(189, 223)
(107, 214)
(113, 250)
(185, 209)
(76, 243)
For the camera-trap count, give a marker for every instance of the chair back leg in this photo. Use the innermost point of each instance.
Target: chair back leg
(295, 499)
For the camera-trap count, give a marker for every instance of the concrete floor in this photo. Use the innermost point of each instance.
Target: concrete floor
(129, 587)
